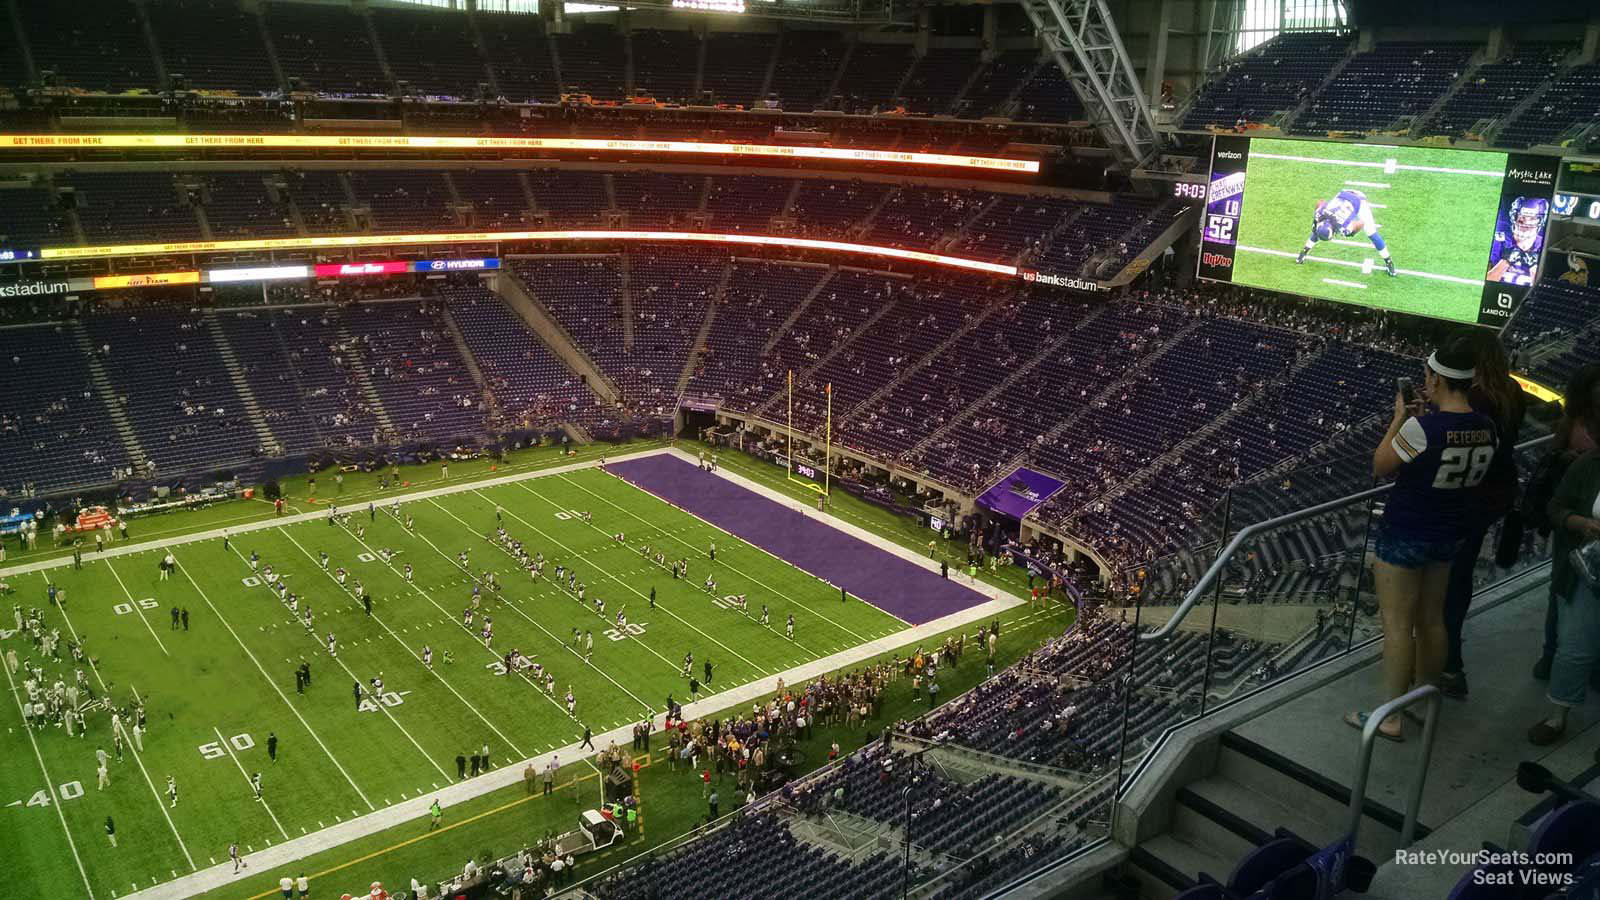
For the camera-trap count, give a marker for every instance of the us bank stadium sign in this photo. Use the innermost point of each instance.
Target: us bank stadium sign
(35, 288)
(1072, 282)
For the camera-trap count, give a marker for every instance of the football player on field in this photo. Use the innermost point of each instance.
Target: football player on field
(1344, 215)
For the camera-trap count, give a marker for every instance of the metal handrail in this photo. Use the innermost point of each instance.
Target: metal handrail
(1215, 570)
(1369, 736)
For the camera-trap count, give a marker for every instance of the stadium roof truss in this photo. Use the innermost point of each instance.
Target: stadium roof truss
(1082, 38)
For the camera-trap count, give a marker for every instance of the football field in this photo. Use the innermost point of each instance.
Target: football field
(1436, 210)
(217, 681)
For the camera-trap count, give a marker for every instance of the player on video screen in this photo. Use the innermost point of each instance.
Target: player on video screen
(1518, 238)
(1347, 213)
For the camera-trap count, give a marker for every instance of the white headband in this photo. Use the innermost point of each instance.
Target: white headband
(1446, 371)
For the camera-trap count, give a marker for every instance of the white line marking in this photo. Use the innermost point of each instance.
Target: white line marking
(1442, 170)
(701, 554)
(1367, 184)
(1366, 266)
(54, 795)
(136, 607)
(1342, 283)
(137, 758)
(246, 776)
(203, 596)
(1355, 265)
(413, 654)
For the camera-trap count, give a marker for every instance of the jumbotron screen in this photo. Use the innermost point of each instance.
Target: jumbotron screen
(1450, 234)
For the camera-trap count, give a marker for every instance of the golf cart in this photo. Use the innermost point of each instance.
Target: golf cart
(594, 832)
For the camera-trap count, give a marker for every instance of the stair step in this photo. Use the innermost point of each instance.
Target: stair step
(1215, 828)
(1272, 791)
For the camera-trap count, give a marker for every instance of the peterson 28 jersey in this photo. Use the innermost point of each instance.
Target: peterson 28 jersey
(1445, 457)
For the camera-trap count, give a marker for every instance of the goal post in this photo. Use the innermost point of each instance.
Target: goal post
(800, 474)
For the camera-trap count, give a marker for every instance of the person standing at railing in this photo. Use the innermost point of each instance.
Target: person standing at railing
(1575, 520)
(1576, 434)
(1497, 395)
(1439, 453)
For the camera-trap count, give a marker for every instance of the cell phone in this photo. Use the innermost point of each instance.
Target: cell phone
(1408, 390)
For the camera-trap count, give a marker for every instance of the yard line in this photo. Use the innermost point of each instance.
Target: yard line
(203, 596)
(1343, 283)
(457, 622)
(135, 603)
(1442, 170)
(131, 746)
(246, 775)
(385, 626)
(704, 554)
(514, 608)
(1454, 279)
(635, 591)
(383, 708)
(55, 796)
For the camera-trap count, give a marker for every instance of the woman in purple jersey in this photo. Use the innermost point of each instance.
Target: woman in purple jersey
(1438, 452)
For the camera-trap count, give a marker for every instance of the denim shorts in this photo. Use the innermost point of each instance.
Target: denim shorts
(1413, 553)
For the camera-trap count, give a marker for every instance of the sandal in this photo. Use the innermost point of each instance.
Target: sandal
(1358, 721)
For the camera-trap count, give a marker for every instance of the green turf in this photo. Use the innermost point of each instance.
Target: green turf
(507, 820)
(228, 681)
(1433, 222)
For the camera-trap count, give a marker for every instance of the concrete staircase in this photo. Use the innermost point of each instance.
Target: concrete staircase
(1046, 352)
(928, 359)
(522, 302)
(241, 384)
(866, 326)
(471, 362)
(1175, 455)
(107, 392)
(1247, 793)
(799, 311)
(697, 349)
(356, 358)
(626, 272)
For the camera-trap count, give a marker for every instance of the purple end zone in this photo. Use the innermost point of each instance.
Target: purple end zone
(886, 581)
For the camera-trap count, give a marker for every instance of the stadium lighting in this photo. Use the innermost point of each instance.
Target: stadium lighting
(602, 145)
(108, 251)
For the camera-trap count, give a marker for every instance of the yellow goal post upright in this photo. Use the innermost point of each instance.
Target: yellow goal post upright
(827, 443)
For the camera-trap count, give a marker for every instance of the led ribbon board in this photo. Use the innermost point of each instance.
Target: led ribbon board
(385, 240)
(400, 142)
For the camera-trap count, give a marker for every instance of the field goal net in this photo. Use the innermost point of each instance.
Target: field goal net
(802, 473)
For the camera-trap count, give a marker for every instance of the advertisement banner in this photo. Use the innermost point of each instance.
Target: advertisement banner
(258, 273)
(36, 288)
(1519, 236)
(1019, 493)
(456, 265)
(346, 270)
(1072, 282)
(103, 282)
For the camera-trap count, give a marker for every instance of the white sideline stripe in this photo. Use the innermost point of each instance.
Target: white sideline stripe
(136, 608)
(1354, 284)
(1442, 170)
(234, 531)
(701, 554)
(1355, 265)
(1369, 184)
(55, 797)
(132, 746)
(390, 631)
(562, 646)
(246, 775)
(1348, 243)
(246, 648)
(856, 531)
(1376, 205)
(613, 576)
(358, 827)
(383, 708)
